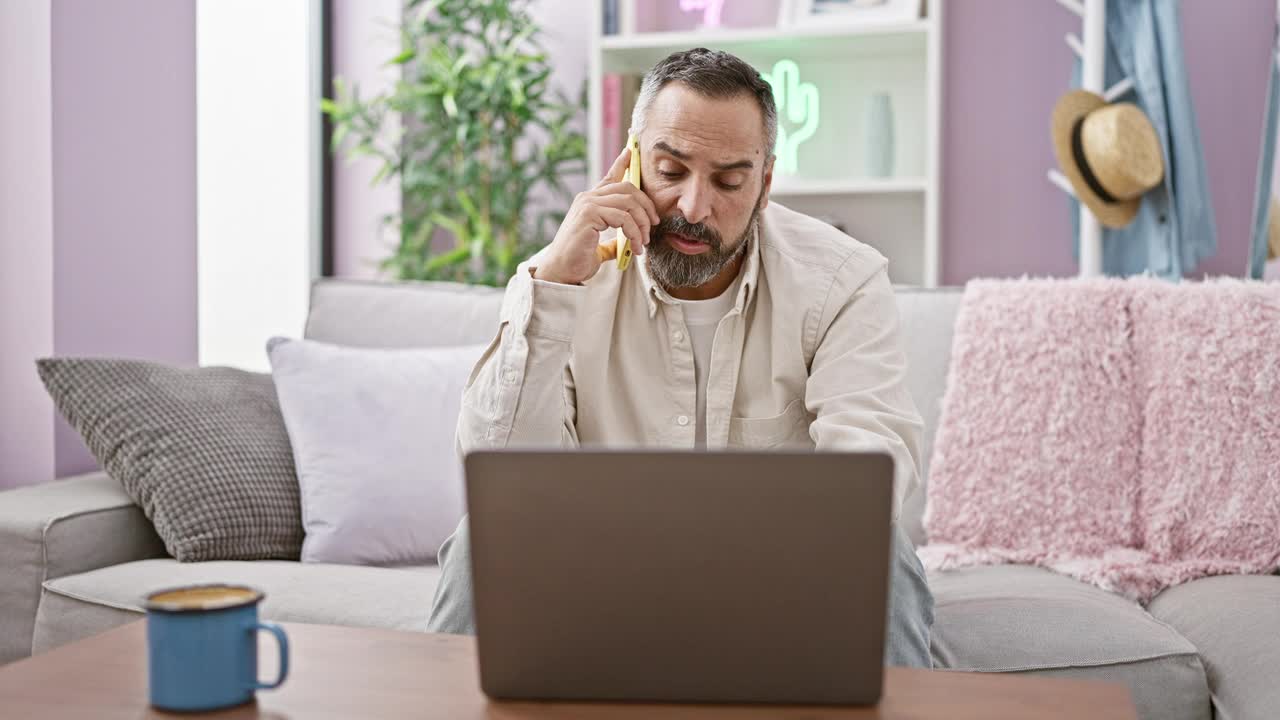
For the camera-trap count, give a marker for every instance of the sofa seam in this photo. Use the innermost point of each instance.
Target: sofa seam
(89, 600)
(1068, 666)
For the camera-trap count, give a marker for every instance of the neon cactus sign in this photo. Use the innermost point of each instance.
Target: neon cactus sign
(797, 103)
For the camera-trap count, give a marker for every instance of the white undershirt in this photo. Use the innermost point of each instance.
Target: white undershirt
(701, 317)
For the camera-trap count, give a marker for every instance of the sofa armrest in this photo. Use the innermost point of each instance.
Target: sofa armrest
(62, 528)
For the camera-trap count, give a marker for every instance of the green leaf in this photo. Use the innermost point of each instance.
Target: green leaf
(418, 242)
(520, 37)
(402, 58)
(458, 229)
(464, 200)
(517, 92)
(382, 174)
(452, 257)
(339, 134)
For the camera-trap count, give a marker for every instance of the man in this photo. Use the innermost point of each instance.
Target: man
(740, 323)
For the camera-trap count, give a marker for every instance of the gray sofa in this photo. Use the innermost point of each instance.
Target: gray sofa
(76, 554)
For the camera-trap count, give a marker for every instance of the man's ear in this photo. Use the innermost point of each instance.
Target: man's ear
(768, 181)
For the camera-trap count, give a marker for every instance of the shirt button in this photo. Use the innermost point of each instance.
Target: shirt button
(677, 336)
(682, 420)
(509, 376)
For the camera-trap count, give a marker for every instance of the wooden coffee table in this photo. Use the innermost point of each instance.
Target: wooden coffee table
(340, 672)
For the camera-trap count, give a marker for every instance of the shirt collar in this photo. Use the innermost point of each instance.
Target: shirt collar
(749, 272)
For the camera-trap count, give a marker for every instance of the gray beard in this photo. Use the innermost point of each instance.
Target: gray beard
(672, 269)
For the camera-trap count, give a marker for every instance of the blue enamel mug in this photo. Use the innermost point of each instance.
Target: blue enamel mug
(202, 647)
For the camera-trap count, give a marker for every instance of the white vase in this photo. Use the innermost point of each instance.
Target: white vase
(878, 140)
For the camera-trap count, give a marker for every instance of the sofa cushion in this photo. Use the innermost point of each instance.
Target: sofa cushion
(77, 606)
(1017, 618)
(402, 314)
(373, 432)
(1234, 621)
(203, 451)
(1208, 352)
(1036, 457)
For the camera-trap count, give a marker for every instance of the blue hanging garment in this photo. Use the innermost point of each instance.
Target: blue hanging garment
(1266, 165)
(1174, 229)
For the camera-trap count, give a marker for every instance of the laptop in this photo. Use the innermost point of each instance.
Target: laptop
(680, 576)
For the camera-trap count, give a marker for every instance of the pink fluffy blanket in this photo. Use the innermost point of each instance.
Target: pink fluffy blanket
(1122, 432)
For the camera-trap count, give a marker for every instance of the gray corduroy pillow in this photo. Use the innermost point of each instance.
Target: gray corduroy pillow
(203, 451)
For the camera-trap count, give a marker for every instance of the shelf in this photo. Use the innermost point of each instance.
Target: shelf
(790, 187)
(828, 43)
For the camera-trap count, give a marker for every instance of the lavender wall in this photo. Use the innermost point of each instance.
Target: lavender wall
(999, 215)
(124, 186)
(1004, 65)
(26, 243)
(1228, 50)
(98, 230)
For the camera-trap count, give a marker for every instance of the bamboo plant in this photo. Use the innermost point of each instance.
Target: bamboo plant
(483, 146)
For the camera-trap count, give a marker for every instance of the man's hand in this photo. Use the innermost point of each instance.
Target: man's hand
(572, 257)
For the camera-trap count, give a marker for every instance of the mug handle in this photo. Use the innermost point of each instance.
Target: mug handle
(283, 641)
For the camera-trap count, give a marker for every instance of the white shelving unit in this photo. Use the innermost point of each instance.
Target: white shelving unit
(897, 214)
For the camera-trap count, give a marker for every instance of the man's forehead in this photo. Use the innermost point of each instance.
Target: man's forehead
(696, 126)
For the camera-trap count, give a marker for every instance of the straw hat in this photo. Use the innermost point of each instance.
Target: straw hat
(1110, 153)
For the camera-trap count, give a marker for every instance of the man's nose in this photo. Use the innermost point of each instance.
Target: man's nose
(695, 202)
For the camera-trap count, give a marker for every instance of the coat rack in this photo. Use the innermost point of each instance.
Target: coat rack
(1092, 51)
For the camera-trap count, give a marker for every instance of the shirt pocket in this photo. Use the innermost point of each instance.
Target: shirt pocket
(790, 428)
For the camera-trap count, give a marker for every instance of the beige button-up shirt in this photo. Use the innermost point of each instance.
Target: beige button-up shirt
(808, 357)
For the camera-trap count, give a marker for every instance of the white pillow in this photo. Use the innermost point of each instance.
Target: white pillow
(373, 441)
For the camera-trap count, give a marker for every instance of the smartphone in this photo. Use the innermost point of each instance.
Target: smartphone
(633, 177)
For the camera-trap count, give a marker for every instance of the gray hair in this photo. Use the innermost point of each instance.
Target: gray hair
(712, 74)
